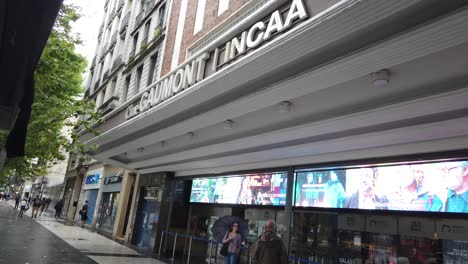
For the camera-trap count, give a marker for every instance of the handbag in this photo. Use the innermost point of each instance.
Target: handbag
(224, 248)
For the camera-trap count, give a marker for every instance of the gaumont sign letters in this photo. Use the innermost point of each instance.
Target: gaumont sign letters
(193, 71)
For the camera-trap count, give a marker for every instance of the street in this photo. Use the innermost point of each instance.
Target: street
(47, 240)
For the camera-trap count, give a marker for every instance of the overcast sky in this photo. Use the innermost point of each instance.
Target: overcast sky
(88, 25)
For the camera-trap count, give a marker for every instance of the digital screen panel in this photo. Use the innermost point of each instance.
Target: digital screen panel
(252, 189)
(428, 187)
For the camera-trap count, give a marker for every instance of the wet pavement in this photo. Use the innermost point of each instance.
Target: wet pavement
(47, 240)
(24, 240)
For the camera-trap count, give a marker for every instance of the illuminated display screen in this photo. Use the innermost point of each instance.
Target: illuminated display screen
(428, 187)
(252, 189)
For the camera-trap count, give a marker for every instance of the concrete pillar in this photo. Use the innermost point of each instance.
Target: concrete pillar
(288, 208)
(133, 209)
(98, 200)
(127, 182)
(75, 196)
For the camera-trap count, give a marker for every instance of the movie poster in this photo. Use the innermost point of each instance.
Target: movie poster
(255, 189)
(455, 251)
(426, 187)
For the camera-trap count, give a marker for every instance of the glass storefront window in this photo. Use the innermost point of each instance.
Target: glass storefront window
(356, 239)
(108, 210)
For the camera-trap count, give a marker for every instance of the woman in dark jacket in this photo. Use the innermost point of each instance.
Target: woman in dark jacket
(84, 213)
(58, 209)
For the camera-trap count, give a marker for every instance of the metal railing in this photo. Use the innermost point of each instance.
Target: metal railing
(213, 247)
(211, 256)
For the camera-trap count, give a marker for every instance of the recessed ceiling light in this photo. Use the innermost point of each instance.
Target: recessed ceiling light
(228, 124)
(380, 78)
(191, 135)
(284, 107)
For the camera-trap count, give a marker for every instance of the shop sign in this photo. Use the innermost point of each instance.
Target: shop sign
(453, 229)
(112, 179)
(92, 179)
(416, 226)
(352, 222)
(382, 224)
(193, 71)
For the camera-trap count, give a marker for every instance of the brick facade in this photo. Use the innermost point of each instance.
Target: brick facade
(211, 21)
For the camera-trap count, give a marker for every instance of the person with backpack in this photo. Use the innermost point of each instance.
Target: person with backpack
(37, 203)
(47, 203)
(84, 214)
(23, 207)
(269, 248)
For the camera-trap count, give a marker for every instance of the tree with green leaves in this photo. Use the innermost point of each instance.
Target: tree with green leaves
(58, 109)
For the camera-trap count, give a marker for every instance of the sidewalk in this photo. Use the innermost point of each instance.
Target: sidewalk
(97, 247)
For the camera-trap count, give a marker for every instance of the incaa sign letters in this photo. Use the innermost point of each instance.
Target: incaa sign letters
(193, 71)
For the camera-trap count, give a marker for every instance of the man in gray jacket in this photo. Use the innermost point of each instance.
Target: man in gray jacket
(269, 248)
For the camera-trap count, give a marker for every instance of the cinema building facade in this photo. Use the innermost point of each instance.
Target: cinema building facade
(345, 121)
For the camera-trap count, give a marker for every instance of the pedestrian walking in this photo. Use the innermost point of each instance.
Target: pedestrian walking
(233, 241)
(269, 248)
(17, 201)
(43, 204)
(23, 207)
(58, 209)
(84, 213)
(37, 203)
(48, 200)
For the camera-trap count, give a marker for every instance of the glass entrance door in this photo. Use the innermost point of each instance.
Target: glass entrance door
(147, 216)
(108, 210)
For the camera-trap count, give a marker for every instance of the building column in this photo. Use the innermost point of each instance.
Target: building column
(288, 208)
(75, 197)
(133, 209)
(127, 182)
(96, 214)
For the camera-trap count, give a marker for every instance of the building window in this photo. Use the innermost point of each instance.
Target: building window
(111, 91)
(162, 16)
(147, 29)
(135, 43)
(138, 78)
(179, 33)
(100, 98)
(153, 61)
(199, 16)
(125, 88)
(223, 5)
(225, 26)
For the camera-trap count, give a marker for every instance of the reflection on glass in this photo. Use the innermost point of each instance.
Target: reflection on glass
(108, 211)
(321, 238)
